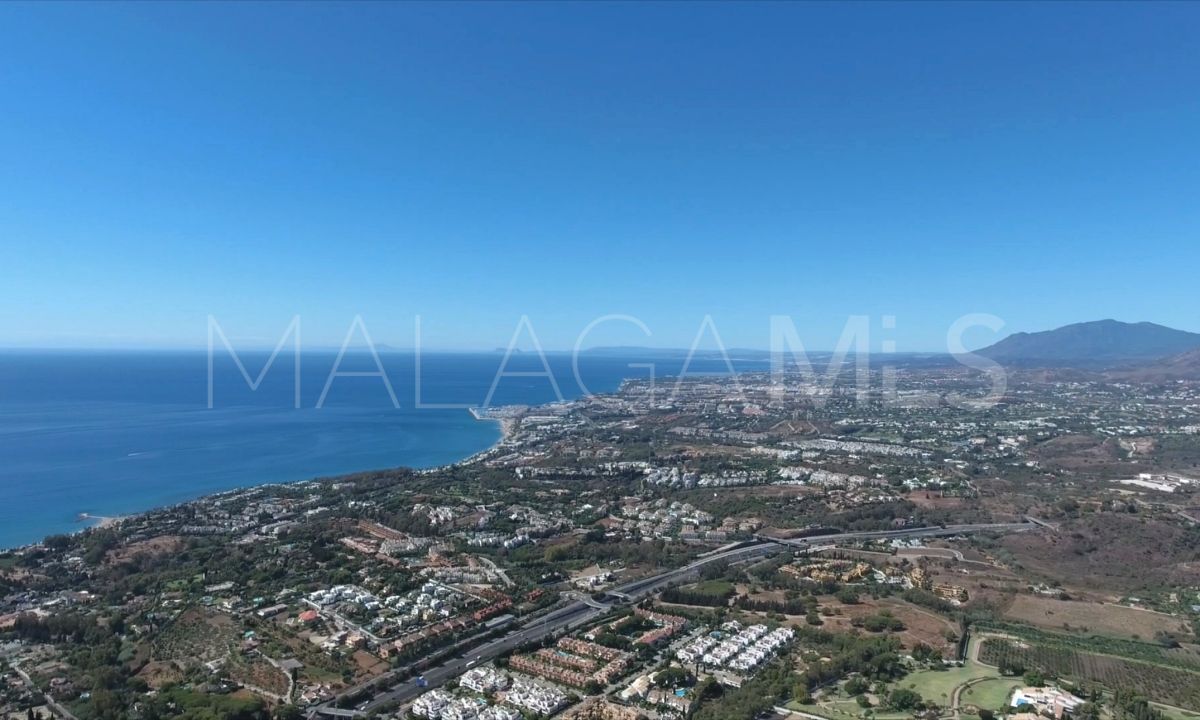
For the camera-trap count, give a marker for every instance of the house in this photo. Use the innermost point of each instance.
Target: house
(1050, 701)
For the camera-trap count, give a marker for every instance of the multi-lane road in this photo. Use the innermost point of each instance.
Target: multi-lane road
(580, 612)
(562, 619)
(905, 533)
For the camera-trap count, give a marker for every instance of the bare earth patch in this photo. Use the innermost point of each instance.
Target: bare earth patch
(159, 674)
(920, 625)
(1110, 551)
(153, 547)
(1100, 618)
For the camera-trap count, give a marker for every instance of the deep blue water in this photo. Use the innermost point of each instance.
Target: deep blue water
(122, 432)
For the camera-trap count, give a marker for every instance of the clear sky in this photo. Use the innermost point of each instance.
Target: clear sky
(475, 163)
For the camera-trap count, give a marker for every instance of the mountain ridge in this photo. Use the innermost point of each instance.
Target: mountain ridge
(1098, 341)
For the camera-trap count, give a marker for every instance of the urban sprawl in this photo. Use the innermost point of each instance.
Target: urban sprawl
(721, 548)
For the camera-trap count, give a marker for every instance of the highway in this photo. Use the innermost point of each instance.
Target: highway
(580, 612)
(565, 618)
(904, 533)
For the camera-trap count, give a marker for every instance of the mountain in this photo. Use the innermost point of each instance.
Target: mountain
(1102, 341)
(1184, 366)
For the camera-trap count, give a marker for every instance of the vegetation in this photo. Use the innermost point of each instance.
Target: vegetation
(1170, 685)
(772, 686)
(710, 593)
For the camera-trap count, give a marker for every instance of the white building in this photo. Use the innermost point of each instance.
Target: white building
(431, 704)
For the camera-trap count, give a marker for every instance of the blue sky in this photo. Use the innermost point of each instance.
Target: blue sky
(475, 163)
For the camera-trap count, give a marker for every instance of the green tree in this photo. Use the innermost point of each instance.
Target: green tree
(904, 699)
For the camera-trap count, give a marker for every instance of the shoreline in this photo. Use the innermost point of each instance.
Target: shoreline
(507, 424)
(506, 416)
(101, 521)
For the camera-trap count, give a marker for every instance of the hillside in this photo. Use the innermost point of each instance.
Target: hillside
(1102, 341)
(1184, 366)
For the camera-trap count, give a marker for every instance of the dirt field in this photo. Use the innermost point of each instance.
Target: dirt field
(982, 582)
(1115, 620)
(155, 546)
(368, 664)
(931, 552)
(921, 625)
(258, 672)
(930, 499)
(764, 595)
(160, 674)
(1108, 552)
(1081, 453)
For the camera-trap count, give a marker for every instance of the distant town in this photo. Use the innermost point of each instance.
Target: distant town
(723, 547)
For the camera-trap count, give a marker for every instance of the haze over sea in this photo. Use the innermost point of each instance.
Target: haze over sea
(115, 433)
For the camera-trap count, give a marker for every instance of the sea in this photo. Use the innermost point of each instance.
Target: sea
(86, 435)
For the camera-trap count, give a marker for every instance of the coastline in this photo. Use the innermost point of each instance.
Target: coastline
(101, 521)
(133, 458)
(507, 424)
(507, 419)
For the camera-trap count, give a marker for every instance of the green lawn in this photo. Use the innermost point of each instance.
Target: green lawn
(937, 685)
(713, 587)
(843, 709)
(990, 694)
